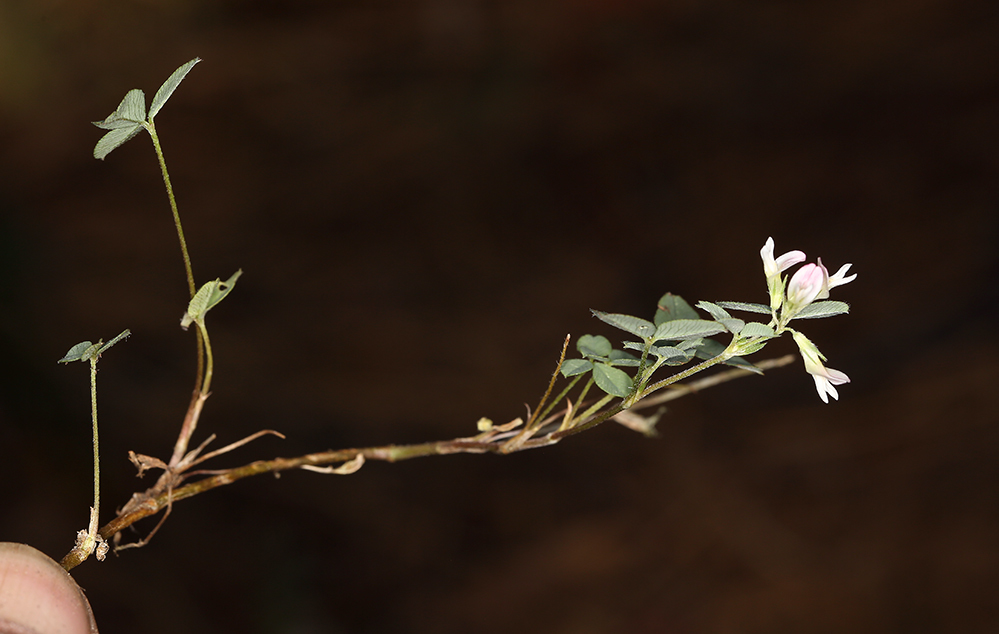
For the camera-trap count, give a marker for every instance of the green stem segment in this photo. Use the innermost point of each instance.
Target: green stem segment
(173, 206)
(209, 365)
(95, 512)
(679, 376)
(188, 269)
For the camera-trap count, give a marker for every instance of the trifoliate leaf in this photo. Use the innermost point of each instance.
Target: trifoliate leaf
(594, 346)
(687, 329)
(635, 325)
(207, 297)
(85, 351)
(611, 380)
(672, 307)
(169, 86)
(124, 123)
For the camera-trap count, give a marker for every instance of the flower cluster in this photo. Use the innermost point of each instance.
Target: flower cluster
(789, 298)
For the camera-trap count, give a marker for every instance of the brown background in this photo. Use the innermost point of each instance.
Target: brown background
(425, 196)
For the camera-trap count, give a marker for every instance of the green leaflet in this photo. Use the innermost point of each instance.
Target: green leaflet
(611, 380)
(170, 85)
(206, 298)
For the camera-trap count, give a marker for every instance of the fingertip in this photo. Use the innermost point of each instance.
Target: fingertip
(38, 597)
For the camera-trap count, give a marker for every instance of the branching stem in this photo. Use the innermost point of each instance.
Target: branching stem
(160, 500)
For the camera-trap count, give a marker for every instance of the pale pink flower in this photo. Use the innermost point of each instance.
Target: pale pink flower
(774, 267)
(812, 282)
(825, 378)
(807, 284)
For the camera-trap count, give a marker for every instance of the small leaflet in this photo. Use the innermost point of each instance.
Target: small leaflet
(611, 380)
(210, 294)
(170, 85)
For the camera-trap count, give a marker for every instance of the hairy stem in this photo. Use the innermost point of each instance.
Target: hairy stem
(173, 206)
(210, 364)
(95, 513)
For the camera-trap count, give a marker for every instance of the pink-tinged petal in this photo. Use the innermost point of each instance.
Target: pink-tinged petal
(773, 267)
(836, 377)
(805, 285)
(789, 259)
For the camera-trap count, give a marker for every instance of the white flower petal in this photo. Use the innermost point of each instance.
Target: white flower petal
(840, 278)
(825, 388)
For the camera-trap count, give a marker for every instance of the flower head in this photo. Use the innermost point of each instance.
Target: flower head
(825, 378)
(812, 282)
(805, 286)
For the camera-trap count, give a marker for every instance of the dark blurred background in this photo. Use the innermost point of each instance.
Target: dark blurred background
(425, 197)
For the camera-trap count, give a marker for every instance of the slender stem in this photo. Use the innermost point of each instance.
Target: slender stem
(187, 429)
(679, 376)
(197, 402)
(590, 424)
(87, 541)
(632, 400)
(558, 399)
(580, 400)
(205, 387)
(538, 411)
(173, 206)
(676, 391)
(95, 513)
(593, 409)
